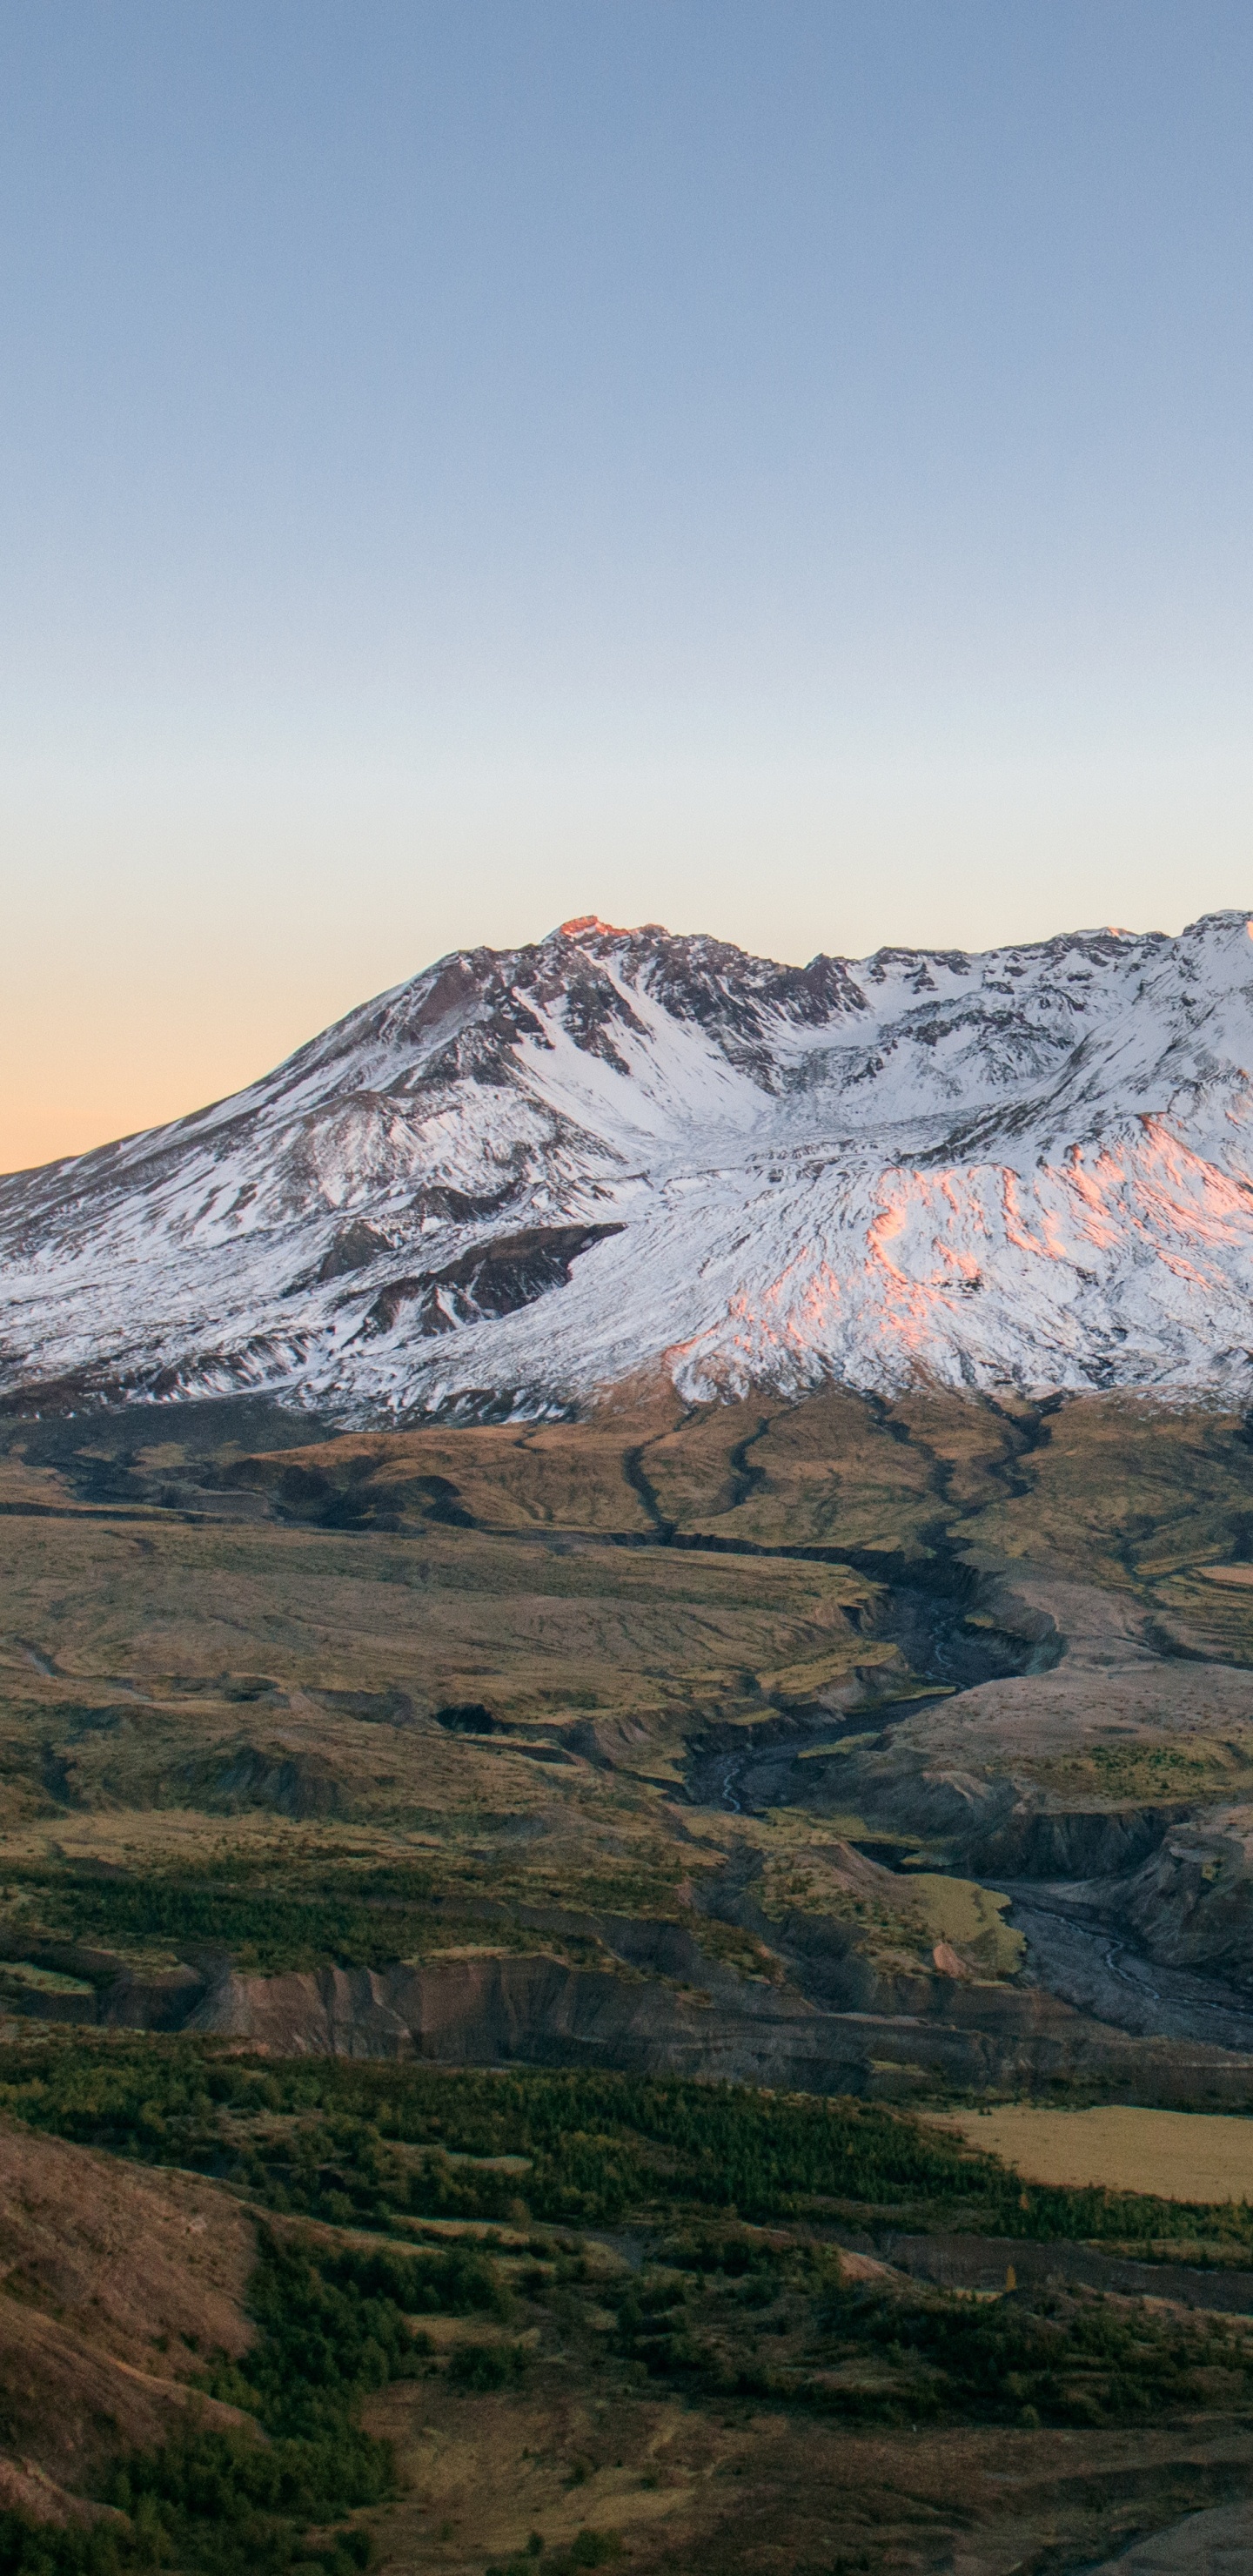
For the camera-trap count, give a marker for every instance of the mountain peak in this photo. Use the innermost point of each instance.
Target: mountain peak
(529, 1172)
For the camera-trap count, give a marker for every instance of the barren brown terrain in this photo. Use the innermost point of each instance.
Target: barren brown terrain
(894, 1752)
(802, 1712)
(113, 2282)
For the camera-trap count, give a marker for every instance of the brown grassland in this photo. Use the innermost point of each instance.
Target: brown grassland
(1175, 2155)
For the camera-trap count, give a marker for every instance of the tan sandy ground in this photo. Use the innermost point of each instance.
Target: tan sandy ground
(1177, 2155)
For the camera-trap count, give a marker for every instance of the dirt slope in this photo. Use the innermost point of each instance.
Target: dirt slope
(115, 2286)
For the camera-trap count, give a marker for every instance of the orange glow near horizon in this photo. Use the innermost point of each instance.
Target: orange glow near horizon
(82, 1103)
(80, 1069)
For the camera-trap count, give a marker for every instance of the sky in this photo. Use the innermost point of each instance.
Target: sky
(774, 467)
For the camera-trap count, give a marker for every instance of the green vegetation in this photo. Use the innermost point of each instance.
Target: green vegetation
(740, 2297)
(267, 1920)
(293, 1902)
(1148, 1770)
(912, 2355)
(333, 2326)
(376, 2144)
(587, 2549)
(1072, 2361)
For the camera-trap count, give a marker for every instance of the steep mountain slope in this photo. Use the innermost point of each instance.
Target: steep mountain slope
(528, 1173)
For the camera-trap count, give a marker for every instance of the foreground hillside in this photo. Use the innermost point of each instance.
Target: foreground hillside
(465, 2322)
(529, 1174)
(114, 2282)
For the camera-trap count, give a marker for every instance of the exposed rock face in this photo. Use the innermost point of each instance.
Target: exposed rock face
(490, 2010)
(529, 1173)
(1191, 1904)
(495, 1279)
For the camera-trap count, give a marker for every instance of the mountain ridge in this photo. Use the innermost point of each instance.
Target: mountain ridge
(525, 1174)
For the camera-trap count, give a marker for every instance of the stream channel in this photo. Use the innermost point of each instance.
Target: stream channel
(1077, 1948)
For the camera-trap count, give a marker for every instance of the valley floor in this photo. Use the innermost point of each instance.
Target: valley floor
(899, 1754)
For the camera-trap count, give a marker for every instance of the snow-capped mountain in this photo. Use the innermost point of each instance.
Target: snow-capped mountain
(527, 1173)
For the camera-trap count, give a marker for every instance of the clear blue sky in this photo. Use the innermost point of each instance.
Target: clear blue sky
(782, 469)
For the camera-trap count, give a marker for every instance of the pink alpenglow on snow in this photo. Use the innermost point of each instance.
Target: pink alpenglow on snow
(530, 1173)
